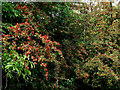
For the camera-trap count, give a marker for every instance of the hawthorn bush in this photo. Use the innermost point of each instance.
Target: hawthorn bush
(88, 42)
(24, 49)
(100, 52)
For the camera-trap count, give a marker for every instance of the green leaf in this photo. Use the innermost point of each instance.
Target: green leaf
(31, 66)
(29, 72)
(23, 75)
(25, 70)
(8, 66)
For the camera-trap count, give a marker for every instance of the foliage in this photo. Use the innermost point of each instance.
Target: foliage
(101, 48)
(24, 48)
(10, 14)
(88, 45)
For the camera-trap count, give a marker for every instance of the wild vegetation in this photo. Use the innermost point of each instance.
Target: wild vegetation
(51, 45)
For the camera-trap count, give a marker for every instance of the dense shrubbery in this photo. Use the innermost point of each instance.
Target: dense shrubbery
(48, 45)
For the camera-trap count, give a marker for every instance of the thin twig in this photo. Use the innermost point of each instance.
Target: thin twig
(6, 82)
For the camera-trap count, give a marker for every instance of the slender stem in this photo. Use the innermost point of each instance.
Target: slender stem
(6, 82)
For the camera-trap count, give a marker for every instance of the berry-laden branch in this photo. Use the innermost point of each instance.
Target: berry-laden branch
(28, 50)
